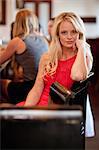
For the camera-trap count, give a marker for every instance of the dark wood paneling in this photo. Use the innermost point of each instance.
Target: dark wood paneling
(3, 13)
(89, 19)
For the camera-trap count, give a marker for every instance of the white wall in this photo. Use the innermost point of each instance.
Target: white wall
(10, 15)
(82, 7)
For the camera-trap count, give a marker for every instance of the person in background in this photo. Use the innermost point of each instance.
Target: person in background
(49, 27)
(26, 46)
(69, 59)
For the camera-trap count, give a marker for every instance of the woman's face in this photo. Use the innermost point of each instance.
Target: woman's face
(67, 34)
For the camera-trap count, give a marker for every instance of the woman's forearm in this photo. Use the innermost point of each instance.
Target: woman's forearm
(80, 69)
(33, 96)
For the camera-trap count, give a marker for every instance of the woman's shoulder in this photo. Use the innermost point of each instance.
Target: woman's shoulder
(17, 44)
(16, 41)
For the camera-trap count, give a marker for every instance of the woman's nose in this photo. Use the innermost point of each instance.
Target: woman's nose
(69, 35)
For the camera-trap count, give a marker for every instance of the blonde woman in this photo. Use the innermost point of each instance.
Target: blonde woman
(69, 59)
(27, 46)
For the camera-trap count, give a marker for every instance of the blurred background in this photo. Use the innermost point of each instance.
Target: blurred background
(46, 9)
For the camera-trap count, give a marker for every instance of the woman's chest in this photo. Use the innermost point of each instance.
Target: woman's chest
(62, 75)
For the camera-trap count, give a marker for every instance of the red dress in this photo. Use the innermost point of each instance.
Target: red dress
(62, 75)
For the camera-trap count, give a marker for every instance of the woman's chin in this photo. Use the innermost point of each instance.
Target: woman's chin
(70, 47)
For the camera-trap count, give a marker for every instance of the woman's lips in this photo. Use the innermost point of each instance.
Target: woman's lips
(69, 41)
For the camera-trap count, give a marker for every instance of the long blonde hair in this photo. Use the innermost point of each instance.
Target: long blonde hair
(26, 22)
(55, 50)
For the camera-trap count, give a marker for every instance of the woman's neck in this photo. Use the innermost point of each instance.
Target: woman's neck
(68, 53)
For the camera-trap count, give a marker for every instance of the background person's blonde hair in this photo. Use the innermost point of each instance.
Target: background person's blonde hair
(25, 23)
(55, 50)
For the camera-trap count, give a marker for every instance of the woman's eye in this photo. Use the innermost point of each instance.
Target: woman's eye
(64, 32)
(74, 32)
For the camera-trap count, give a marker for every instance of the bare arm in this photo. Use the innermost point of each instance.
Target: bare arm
(35, 93)
(83, 62)
(16, 45)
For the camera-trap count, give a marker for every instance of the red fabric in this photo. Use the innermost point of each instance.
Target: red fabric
(62, 75)
(20, 103)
